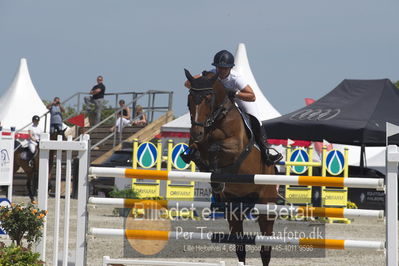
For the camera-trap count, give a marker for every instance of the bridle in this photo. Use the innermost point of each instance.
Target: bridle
(198, 95)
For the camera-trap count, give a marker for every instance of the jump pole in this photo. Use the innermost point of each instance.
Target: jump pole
(231, 239)
(259, 179)
(107, 260)
(280, 210)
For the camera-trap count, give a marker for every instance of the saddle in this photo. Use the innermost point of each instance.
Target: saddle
(256, 131)
(26, 154)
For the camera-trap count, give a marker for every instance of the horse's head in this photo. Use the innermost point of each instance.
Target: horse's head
(206, 95)
(54, 135)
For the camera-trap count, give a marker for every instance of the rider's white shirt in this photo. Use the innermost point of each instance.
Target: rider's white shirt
(236, 81)
(36, 131)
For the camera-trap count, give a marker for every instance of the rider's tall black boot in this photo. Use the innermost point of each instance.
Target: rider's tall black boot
(30, 158)
(261, 138)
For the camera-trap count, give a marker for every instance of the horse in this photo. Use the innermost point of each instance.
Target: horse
(225, 145)
(32, 173)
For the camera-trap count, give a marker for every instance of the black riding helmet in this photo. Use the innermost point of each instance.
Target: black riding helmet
(35, 118)
(223, 59)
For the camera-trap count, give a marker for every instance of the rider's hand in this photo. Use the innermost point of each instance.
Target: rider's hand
(232, 93)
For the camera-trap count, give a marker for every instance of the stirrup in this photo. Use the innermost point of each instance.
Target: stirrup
(273, 158)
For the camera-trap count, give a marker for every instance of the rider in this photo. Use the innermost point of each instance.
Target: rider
(241, 92)
(34, 138)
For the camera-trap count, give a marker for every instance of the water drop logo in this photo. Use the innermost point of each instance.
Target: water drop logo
(299, 156)
(4, 203)
(177, 161)
(147, 155)
(335, 162)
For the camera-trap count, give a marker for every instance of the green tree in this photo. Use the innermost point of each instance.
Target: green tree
(397, 84)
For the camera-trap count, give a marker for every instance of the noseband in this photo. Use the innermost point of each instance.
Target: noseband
(198, 96)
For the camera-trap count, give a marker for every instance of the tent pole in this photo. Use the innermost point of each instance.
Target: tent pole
(362, 156)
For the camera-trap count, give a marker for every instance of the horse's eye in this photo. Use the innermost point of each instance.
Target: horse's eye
(208, 99)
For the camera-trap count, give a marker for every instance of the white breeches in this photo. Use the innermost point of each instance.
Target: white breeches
(32, 146)
(121, 123)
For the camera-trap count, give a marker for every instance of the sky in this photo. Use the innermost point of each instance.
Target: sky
(296, 48)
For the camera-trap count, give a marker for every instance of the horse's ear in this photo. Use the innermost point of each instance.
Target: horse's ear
(214, 78)
(188, 75)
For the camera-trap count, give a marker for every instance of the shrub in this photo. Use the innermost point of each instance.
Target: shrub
(18, 256)
(20, 221)
(124, 193)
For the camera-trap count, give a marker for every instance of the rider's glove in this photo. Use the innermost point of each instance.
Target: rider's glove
(232, 93)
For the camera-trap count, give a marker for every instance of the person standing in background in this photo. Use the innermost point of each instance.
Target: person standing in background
(96, 98)
(56, 111)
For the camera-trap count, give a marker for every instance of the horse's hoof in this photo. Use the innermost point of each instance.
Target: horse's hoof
(33, 202)
(217, 187)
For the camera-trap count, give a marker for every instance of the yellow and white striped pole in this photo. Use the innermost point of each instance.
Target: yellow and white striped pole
(271, 209)
(259, 179)
(231, 239)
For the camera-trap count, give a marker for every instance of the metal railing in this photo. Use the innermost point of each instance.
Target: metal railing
(76, 101)
(150, 108)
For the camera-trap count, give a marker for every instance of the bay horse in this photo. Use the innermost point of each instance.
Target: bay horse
(32, 173)
(225, 145)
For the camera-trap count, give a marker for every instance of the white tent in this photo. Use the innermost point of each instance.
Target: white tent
(267, 111)
(20, 102)
(182, 124)
(375, 156)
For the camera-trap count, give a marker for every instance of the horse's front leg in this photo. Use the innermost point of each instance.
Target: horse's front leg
(236, 229)
(266, 227)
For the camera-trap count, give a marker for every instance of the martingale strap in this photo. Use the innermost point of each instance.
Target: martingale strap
(233, 168)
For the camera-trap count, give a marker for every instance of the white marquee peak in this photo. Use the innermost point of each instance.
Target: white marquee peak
(182, 124)
(267, 111)
(21, 101)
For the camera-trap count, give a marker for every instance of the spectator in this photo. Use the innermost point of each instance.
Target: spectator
(140, 119)
(123, 117)
(56, 111)
(96, 98)
(34, 138)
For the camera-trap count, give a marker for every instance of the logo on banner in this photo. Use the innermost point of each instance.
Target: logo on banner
(4, 203)
(315, 114)
(335, 162)
(299, 156)
(177, 161)
(147, 155)
(4, 158)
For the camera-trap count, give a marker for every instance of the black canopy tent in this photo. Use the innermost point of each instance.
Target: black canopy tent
(354, 113)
